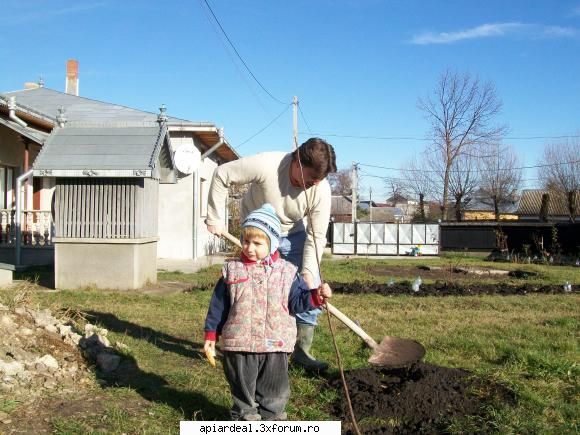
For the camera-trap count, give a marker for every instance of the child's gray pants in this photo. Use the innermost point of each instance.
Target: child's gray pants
(258, 382)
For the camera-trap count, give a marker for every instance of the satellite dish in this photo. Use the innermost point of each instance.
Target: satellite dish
(184, 158)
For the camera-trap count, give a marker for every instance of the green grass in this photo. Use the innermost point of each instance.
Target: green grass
(529, 344)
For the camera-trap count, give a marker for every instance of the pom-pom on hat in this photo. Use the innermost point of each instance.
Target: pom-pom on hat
(265, 219)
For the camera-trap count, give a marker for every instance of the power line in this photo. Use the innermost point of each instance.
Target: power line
(239, 56)
(242, 75)
(265, 127)
(416, 138)
(474, 170)
(305, 121)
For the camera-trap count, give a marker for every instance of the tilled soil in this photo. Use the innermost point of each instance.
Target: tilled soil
(421, 399)
(447, 289)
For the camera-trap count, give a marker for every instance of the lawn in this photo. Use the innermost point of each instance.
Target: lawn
(527, 343)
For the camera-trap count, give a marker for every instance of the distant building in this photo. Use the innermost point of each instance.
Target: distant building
(529, 207)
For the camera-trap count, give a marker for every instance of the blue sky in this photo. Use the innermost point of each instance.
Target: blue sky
(357, 67)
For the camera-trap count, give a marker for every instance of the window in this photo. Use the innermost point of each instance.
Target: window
(7, 187)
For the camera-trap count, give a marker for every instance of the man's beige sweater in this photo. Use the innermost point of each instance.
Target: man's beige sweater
(269, 177)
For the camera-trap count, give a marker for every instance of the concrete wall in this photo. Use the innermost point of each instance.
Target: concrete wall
(182, 209)
(105, 263)
(39, 256)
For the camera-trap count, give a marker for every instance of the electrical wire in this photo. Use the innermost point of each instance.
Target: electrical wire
(239, 56)
(572, 162)
(416, 138)
(264, 128)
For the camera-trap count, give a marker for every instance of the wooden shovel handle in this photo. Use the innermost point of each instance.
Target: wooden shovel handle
(232, 239)
(331, 308)
(351, 325)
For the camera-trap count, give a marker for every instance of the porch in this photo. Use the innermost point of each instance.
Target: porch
(36, 247)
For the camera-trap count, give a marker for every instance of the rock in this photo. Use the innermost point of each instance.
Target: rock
(6, 321)
(64, 330)
(26, 331)
(73, 338)
(11, 368)
(50, 384)
(49, 361)
(108, 362)
(51, 328)
(21, 311)
(43, 318)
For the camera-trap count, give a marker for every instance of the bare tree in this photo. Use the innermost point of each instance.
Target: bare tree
(500, 176)
(461, 113)
(418, 181)
(462, 181)
(560, 172)
(395, 187)
(341, 182)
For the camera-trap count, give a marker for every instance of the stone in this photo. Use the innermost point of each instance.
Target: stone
(21, 311)
(43, 318)
(51, 328)
(64, 330)
(26, 331)
(6, 321)
(11, 368)
(49, 361)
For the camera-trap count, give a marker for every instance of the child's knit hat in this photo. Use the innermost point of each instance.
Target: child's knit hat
(265, 219)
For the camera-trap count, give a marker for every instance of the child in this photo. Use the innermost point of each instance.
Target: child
(252, 309)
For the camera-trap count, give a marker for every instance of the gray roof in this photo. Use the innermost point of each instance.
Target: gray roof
(46, 102)
(32, 134)
(104, 151)
(530, 203)
(43, 104)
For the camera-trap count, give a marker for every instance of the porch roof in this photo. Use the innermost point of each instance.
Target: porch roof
(29, 133)
(109, 150)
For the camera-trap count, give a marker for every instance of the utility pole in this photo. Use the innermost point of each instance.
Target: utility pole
(354, 183)
(370, 204)
(295, 120)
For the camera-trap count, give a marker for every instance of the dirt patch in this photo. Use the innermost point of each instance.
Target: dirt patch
(447, 289)
(423, 398)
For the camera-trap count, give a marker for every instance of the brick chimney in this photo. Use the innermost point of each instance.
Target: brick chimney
(72, 77)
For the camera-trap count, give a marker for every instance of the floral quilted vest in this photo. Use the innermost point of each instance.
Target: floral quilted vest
(259, 320)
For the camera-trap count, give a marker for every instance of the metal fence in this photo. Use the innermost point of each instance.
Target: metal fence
(368, 238)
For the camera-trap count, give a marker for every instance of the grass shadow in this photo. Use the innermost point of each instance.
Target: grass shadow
(154, 388)
(151, 386)
(160, 339)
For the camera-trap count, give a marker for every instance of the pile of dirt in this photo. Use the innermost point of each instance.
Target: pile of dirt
(423, 398)
(447, 289)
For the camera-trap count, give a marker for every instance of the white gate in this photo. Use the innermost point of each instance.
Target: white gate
(384, 239)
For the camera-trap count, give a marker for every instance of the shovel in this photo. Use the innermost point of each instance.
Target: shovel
(391, 352)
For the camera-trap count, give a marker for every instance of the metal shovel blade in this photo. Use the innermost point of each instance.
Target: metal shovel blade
(395, 352)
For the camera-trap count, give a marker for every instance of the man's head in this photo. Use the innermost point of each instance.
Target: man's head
(318, 159)
(264, 224)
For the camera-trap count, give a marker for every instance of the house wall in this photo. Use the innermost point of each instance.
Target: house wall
(183, 208)
(12, 154)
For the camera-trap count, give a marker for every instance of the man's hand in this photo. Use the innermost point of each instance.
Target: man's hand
(215, 229)
(324, 291)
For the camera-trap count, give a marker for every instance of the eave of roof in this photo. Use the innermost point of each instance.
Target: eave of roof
(41, 105)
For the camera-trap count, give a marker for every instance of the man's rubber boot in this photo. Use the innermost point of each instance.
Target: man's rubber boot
(301, 356)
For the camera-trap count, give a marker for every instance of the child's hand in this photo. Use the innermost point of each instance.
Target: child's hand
(209, 349)
(324, 291)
